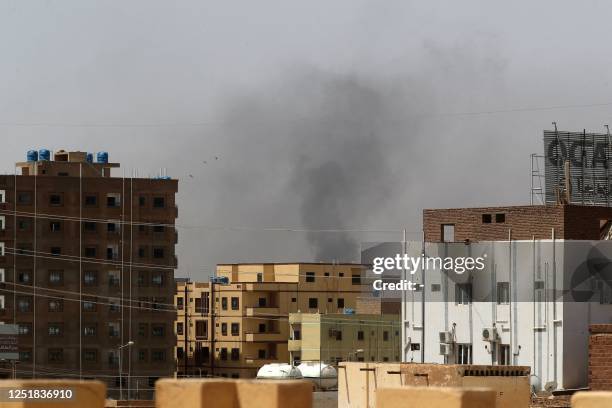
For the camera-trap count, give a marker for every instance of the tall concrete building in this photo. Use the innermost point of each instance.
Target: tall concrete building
(87, 263)
(239, 321)
(547, 276)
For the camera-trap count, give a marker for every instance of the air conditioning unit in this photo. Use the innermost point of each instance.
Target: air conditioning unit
(490, 334)
(446, 349)
(446, 337)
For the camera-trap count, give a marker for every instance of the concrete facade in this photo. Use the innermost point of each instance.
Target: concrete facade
(88, 265)
(332, 338)
(236, 328)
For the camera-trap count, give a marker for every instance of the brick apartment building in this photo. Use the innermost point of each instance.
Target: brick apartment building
(574, 222)
(600, 357)
(87, 264)
(235, 328)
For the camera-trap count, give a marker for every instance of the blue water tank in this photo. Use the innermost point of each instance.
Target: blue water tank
(89, 158)
(44, 154)
(102, 157)
(32, 155)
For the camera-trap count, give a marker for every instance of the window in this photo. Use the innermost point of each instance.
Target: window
(261, 302)
(55, 355)
(360, 335)
(235, 303)
(463, 293)
(223, 354)
(435, 287)
(385, 335)
(143, 329)
(180, 353)
(158, 355)
(89, 330)
(356, 279)
(340, 303)
(55, 199)
(262, 327)
(313, 303)
(293, 300)
(261, 354)
(113, 200)
(56, 305)
(55, 226)
(24, 304)
(24, 197)
(142, 355)
(56, 277)
(500, 218)
(179, 328)
(142, 278)
(259, 277)
(157, 279)
(223, 303)
(111, 252)
(448, 232)
(112, 227)
(90, 252)
(91, 200)
(55, 251)
(415, 346)
(503, 293)
(113, 306)
(89, 226)
(24, 224)
(142, 252)
(464, 354)
(235, 329)
(310, 276)
(179, 303)
(24, 276)
(24, 328)
(159, 202)
(54, 329)
(113, 329)
(330, 300)
(89, 305)
(504, 354)
(158, 253)
(235, 356)
(142, 201)
(338, 334)
(224, 329)
(90, 355)
(2, 196)
(487, 218)
(114, 278)
(159, 228)
(158, 330)
(25, 355)
(90, 278)
(201, 329)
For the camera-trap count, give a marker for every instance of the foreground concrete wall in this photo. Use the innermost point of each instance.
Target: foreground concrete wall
(214, 393)
(359, 382)
(439, 397)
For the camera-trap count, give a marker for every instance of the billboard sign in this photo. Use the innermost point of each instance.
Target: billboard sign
(586, 158)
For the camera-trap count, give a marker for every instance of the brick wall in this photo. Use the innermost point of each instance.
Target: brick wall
(526, 222)
(600, 357)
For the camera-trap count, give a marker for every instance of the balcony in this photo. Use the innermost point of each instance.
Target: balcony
(264, 337)
(262, 311)
(294, 345)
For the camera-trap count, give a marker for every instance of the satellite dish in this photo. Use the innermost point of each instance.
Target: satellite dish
(550, 386)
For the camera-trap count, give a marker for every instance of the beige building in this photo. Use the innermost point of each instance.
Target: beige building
(332, 338)
(231, 329)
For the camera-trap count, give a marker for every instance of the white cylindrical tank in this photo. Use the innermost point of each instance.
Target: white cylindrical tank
(278, 372)
(323, 375)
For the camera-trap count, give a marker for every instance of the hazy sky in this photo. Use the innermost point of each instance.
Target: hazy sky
(323, 114)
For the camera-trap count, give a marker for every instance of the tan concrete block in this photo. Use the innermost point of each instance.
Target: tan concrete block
(275, 394)
(216, 393)
(435, 397)
(592, 399)
(90, 394)
(196, 393)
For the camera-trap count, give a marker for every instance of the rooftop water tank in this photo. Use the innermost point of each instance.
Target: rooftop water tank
(277, 371)
(44, 154)
(89, 158)
(32, 155)
(323, 375)
(102, 157)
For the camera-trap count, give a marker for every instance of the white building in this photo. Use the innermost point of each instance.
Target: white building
(531, 305)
